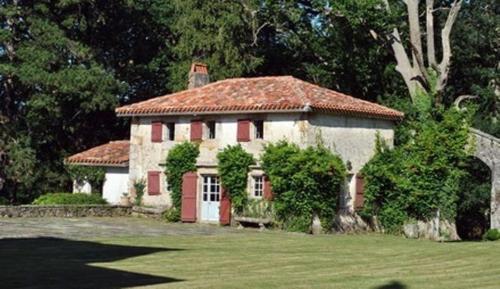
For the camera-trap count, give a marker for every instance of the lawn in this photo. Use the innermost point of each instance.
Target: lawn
(248, 260)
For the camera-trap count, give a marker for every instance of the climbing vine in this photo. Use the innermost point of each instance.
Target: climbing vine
(95, 176)
(180, 160)
(304, 182)
(421, 176)
(233, 166)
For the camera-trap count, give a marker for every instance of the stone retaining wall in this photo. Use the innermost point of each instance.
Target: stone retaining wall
(66, 211)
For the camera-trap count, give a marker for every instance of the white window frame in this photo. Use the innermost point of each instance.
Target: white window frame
(207, 182)
(257, 186)
(167, 130)
(255, 128)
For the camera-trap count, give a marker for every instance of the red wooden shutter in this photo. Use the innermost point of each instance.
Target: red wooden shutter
(189, 190)
(196, 130)
(268, 193)
(360, 190)
(243, 130)
(156, 131)
(153, 183)
(225, 208)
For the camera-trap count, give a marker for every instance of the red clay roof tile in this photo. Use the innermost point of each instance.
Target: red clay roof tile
(114, 153)
(259, 94)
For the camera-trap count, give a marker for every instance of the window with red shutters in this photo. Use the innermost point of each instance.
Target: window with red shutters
(156, 131)
(196, 130)
(268, 192)
(153, 183)
(360, 191)
(243, 130)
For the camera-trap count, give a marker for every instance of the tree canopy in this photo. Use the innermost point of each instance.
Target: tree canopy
(66, 64)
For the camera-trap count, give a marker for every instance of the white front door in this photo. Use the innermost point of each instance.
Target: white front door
(210, 198)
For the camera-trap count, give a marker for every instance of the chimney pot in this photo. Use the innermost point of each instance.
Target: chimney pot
(198, 75)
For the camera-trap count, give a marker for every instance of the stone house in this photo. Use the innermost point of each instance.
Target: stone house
(251, 112)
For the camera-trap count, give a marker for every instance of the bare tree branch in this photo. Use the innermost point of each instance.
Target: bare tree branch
(429, 20)
(444, 65)
(415, 35)
(461, 98)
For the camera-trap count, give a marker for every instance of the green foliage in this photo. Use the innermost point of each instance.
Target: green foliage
(304, 182)
(258, 209)
(218, 33)
(421, 176)
(95, 176)
(180, 160)
(172, 215)
(492, 235)
(69, 199)
(473, 218)
(139, 187)
(233, 167)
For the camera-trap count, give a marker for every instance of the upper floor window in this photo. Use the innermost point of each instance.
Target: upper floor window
(258, 186)
(211, 129)
(259, 129)
(171, 130)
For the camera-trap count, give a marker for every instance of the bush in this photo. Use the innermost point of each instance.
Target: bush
(422, 175)
(492, 235)
(4, 201)
(180, 160)
(233, 166)
(95, 176)
(69, 199)
(139, 187)
(258, 209)
(172, 215)
(304, 182)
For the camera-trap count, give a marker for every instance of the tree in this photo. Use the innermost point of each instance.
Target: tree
(218, 33)
(53, 93)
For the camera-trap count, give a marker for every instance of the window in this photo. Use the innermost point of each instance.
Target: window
(211, 188)
(258, 186)
(259, 129)
(171, 130)
(211, 129)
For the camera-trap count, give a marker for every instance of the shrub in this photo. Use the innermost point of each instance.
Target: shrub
(4, 201)
(139, 187)
(304, 182)
(492, 235)
(69, 199)
(180, 160)
(422, 175)
(258, 209)
(172, 215)
(233, 166)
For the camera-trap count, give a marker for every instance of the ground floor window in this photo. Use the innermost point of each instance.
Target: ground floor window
(211, 188)
(258, 186)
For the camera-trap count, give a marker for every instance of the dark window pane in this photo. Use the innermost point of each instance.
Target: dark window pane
(211, 129)
(259, 129)
(171, 130)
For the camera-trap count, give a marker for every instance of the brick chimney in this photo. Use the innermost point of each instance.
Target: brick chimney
(198, 75)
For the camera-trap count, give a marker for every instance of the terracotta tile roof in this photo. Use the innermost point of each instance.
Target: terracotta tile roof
(114, 154)
(259, 94)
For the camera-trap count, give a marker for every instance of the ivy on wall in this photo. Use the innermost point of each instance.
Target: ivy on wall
(233, 167)
(180, 160)
(422, 175)
(95, 176)
(304, 182)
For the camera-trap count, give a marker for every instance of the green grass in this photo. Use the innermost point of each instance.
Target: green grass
(251, 260)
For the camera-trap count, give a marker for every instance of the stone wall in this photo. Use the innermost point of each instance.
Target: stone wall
(66, 211)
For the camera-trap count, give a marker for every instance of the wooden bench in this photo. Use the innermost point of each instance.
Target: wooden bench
(261, 222)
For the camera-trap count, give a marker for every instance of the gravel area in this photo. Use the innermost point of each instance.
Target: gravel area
(90, 227)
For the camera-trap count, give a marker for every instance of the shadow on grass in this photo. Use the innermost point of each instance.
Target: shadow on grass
(392, 285)
(61, 263)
